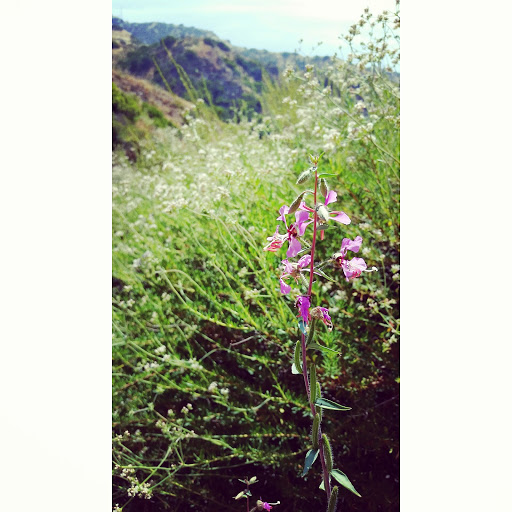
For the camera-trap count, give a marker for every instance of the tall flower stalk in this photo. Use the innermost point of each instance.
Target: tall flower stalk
(311, 316)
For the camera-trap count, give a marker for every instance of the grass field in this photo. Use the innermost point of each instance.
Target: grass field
(203, 340)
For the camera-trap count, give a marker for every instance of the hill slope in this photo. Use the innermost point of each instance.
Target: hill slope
(196, 63)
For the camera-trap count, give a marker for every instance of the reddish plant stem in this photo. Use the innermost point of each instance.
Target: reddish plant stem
(314, 239)
(327, 484)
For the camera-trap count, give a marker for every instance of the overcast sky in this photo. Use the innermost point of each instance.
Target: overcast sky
(275, 25)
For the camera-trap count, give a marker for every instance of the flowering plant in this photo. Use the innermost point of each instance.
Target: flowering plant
(318, 215)
(246, 493)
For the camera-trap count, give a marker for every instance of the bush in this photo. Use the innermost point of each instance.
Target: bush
(224, 47)
(125, 104)
(156, 115)
(138, 61)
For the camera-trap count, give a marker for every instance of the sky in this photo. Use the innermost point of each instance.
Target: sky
(274, 25)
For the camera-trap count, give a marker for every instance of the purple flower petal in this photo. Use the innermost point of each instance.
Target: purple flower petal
(288, 269)
(285, 288)
(304, 261)
(353, 268)
(303, 306)
(303, 206)
(326, 319)
(294, 248)
(331, 197)
(342, 217)
(283, 211)
(276, 241)
(301, 221)
(351, 245)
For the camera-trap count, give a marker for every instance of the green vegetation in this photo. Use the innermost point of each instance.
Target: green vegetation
(203, 341)
(129, 125)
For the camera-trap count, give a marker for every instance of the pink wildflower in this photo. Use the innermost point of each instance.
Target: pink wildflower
(293, 270)
(294, 231)
(276, 241)
(355, 266)
(303, 306)
(324, 213)
(266, 506)
(322, 314)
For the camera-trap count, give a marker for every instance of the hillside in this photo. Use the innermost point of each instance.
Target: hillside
(171, 106)
(225, 75)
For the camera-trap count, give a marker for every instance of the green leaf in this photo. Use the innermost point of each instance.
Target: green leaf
(316, 346)
(294, 370)
(322, 485)
(324, 174)
(329, 404)
(340, 477)
(310, 459)
(296, 357)
(320, 273)
(302, 327)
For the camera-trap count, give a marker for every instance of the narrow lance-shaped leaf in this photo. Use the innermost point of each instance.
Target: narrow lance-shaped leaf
(295, 371)
(310, 459)
(329, 404)
(323, 274)
(340, 477)
(316, 346)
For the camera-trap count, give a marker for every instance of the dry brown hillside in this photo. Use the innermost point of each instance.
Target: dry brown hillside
(173, 107)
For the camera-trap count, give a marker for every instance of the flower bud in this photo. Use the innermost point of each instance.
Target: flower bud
(327, 452)
(314, 433)
(323, 187)
(332, 499)
(305, 175)
(296, 203)
(323, 213)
